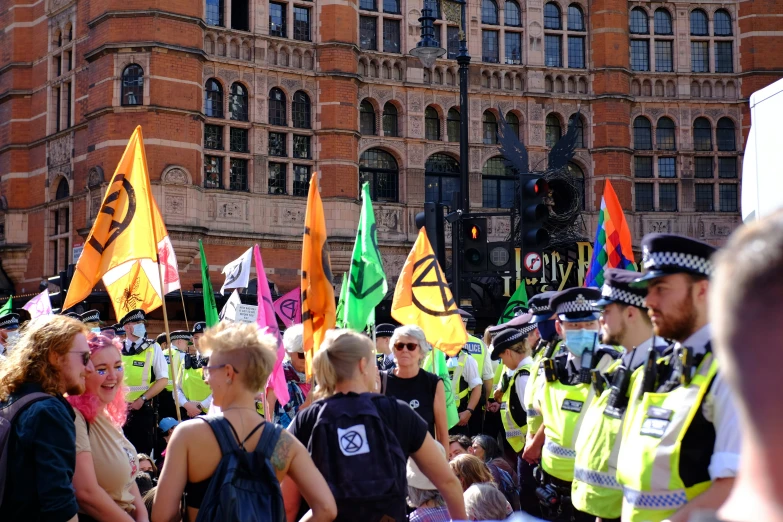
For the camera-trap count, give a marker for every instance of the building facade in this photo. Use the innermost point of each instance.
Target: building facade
(240, 101)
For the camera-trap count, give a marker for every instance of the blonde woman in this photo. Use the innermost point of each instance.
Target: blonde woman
(241, 360)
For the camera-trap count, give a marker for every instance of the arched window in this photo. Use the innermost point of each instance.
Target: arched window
(452, 125)
(497, 183)
(580, 130)
(664, 134)
(490, 124)
(213, 99)
(237, 103)
(379, 169)
(367, 119)
(698, 23)
(638, 21)
(552, 16)
(578, 174)
(553, 131)
(390, 120)
(132, 85)
(663, 21)
(277, 113)
(702, 134)
(489, 12)
(512, 16)
(300, 110)
(722, 23)
(431, 124)
(441, 178)
(576, 19)
(642, 134)
(725, 135)
(513, 122)
(63, 191)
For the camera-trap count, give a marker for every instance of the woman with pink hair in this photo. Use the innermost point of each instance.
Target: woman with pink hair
(106, 463)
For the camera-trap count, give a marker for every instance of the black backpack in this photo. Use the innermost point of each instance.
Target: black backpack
(7, 415)
(244, 487)
(361, 460)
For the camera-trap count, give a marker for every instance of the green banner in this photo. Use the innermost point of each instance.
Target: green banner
(517, 300)
(211, 316)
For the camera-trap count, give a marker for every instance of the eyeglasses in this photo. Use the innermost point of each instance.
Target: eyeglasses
(208, 369)
(300, 355)
(402, 346)
(85, 357)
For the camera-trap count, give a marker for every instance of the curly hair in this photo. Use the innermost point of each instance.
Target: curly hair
(29, 361)
(88, 403)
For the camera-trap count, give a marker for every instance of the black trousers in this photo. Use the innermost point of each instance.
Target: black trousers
(564, 510)
(141, 428)
(527, 488)
(166, 405)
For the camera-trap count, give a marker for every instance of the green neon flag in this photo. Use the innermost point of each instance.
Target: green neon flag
(367, 279)
(439, 368)
(340, 313)
(518, 299)
(211, 316)
(7, 308)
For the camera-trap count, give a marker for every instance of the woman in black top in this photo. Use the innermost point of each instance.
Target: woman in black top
(408, 382)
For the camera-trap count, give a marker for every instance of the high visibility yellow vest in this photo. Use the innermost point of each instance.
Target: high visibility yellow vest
(534, 418)
(478, 350)
(193, 385)
(595, 489)
(649, 461)
(498, 375)
(455, 373)
(138, 373)
(515, 434)
(177, 356)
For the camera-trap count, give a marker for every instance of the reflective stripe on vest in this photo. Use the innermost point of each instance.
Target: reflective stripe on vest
(649, 461)
(595, 489)
(137, 376)
(193, 385)
(456, 378)
(534, 418)
(558, 450)
(476, 349)
(515, 434)
(177, 355)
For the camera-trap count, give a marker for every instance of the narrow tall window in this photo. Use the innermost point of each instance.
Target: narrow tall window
(490, 49)
(390, 120)
(452, 125)
(667, 197)
(213, 172)
(277, 112)
(644, 197)
(452, 38)
(132, 85)
(553, 131)
(277, 20)
(489, 12)
(431, 124)
(301, 24)
(240, 15)
(368, 33)
(664, 134)
(300, 110)
(640, 55)
(724, 57)
(391, 35)
(663, 22)
(702, 134)
(705, 197)
(580, 130)
(700, 57)
(722, 23)
(512, 16)
(553, 50)
(367, 119)
(379, 169)
(513, 48)
(237, 178)
(725, 135)
(638, 21)
(576, 52)
(576, 19)
(552, 18)
(490, 125)
(513, 123)
(215, 12)
(237, 103)
(213, 137)
(213, 99)
(698, 23)
(663, 56)
(642, 134)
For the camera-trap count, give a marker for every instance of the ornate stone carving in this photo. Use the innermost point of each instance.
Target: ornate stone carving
(175, 205)
(446, 103)
(416, 155)
(416, 103)
(175, 175)
(389, 220)
(292, 216)
(95, 176)
(415, 126)
(211, 207)
(60, 151)
(291, 85)
(654, 112)
(95, 204)
(700, 228)
(229, 75)
(715, 114)
(720, 229)
(382, 95)
(231, 210)
(657, 226)
(538, 133)
(536, 112)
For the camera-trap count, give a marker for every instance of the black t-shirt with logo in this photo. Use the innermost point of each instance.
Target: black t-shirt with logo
(417, 392)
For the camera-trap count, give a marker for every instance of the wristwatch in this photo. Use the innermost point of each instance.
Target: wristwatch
(471, 410)
(144, 398)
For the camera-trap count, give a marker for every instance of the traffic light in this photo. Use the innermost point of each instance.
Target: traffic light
(474, 236)
(432, 221)
(533, 211)
(58, 298)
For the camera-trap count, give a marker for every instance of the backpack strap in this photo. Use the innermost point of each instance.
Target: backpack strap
(13, 409)
(227, 442)
(384, 380)
(268, 441)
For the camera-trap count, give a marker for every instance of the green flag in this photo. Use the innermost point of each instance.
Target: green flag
(7, 308)
(340, 313)
(439, 368)
(518, 299)
(210, 307)
(367, 279)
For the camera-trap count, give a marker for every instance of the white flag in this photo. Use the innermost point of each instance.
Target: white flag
(167, 262)
(229, 310)
(39, 305)
(238, 272)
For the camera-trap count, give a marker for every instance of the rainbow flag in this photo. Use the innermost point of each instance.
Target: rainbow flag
(612, 248)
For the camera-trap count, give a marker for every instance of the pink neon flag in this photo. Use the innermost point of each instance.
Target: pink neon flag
(289, 308)
(39, 305)
(266, 320)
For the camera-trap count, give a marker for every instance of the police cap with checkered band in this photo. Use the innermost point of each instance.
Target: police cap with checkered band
(576, 304)
(183, 335)
(539, 306)
(666, 254)
(91, 316)
(9, 321)
(133, 316)
(199, 327)
(617, 289)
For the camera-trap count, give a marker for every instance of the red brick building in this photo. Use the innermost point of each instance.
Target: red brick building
(241, 100)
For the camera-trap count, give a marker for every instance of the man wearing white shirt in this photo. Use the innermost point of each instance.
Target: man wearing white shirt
(467, 385)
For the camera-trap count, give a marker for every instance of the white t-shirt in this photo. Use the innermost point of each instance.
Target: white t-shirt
(470, 372)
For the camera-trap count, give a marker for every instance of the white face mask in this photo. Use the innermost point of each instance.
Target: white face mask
(139, 330)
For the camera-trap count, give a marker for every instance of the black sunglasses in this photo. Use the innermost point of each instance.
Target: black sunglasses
(85, 357)
(402, 346)
(300, 355)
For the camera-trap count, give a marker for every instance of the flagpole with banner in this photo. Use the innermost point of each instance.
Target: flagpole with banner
(612, 248)
(518, 299)
(7, 308)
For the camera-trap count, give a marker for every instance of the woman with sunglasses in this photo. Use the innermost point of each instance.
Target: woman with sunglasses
(240, 361)
(294, 369)
(106, 462)
(408, 382)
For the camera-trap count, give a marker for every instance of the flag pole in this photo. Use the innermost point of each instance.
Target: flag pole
(187, 326)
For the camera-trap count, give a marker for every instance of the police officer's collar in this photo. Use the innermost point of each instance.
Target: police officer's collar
(526, 360)
(638, 355)
(697, 342)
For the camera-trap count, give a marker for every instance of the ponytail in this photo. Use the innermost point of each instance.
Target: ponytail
(338, 359)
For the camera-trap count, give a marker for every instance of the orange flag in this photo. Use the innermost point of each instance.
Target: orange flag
(318, 308)
(422, 297)
(123, 245)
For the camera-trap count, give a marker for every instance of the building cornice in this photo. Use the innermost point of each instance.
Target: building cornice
(139, 13)
(115, 47)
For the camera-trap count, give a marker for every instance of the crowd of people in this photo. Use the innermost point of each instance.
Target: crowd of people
(612, 403)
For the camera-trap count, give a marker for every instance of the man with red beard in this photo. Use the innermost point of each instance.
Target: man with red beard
(681, 441)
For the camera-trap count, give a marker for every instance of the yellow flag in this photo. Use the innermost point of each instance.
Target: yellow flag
(422, 297)
(122, 248)
(318, 308)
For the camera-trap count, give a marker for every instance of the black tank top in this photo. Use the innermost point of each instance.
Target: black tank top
(418, 392)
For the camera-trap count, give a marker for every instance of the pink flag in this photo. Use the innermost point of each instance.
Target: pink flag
(266, 320)
(39, 305)
(289, 308)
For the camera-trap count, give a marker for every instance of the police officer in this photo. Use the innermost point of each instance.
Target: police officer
(681, 443)
(146, 374)
(119, 331)
(624, 322)
(383, 352)
(167, 406)
(467, 387)
(9, 326)
(92, 320)
(198, 332)
(193, 393)
(564, 396)
(476, 348)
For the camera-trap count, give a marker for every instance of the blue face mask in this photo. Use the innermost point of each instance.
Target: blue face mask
(578, 341)
(547, 330)
(95, 330)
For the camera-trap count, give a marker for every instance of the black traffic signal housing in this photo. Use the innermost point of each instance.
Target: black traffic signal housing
(474, 242)
(432, 221)
(534, 211)
(58, 298)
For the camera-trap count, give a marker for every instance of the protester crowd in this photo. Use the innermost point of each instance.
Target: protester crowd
(593, 403)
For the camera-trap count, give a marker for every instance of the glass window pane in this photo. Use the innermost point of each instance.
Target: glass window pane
(367, 118)
(368, 28)
(667, 197)
(367, 4)
(277, 20)
(702, 167)
(213, 137)
(496, 167)
(553, 131)
(301, 180)
(276, 180)
(513, 123)
(643, 166)
(665, 134)
(213, 172)
(490, 50)
(667, 167)
(580, 131)
(441, 178)
(490, 193)
(511, 16)
(132, 85)
(452, 36)
(452, 125)
(663, 22)
(698, 23)
(431, 124)
(489, 12)
(277, 145)
(644, 197)
(638, 21)
(553, 50)
(700, 57)
(576, 19)
(238, 140)
(301, 24)
(238, 174)
(727, 167)
(576, 52)
(728, 197)
(722, 23)
(642, 134)
(490, 126)
(391, 36)
(552, 16)
(301, 147)
(663, 56)
(300, 110)
(702, 134)
(725, 135)
(640, 55)
(237, 102)
(390, 120)
(213, 99)
(379, 168)
(705, 197)
(215, 12)
(724, 57)
(513, 48)
(392, 6)
(277, 112)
